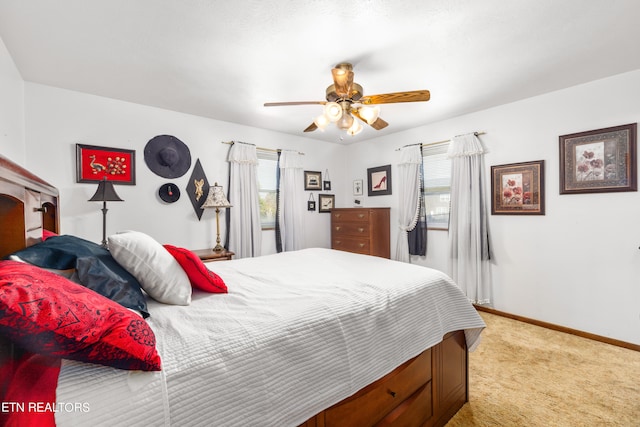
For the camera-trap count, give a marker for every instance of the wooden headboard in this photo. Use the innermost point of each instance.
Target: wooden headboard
(28, 205)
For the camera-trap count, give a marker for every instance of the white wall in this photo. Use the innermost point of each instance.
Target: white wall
(58, 119)
(578, 265)
(12, 142)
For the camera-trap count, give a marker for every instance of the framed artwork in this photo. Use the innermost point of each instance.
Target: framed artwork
(326, 184)
(311, 204)
(598, 161)
(94, 163)
(312, 180)
(357, 187)
(379, 180)
(518, 189)
(326, 202)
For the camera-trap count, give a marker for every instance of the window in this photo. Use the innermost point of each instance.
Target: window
(267, 187)
(437, 185)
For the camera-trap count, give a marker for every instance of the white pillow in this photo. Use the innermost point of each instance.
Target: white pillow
(156, 269)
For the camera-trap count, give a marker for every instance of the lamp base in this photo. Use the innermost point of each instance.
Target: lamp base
(218, 248)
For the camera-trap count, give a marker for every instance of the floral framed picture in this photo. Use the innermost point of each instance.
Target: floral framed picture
(518, 188)
(312, 180)
(93, 163)
(598, 161)
(379, 181)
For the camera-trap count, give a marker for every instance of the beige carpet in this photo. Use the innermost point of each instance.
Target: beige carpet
(525, 375)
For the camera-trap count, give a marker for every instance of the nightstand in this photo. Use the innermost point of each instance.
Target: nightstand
(209, 255)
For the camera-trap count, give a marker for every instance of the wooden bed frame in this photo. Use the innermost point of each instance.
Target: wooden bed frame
(425, 391)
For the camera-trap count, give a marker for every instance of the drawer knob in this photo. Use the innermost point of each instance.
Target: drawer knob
(361, 230)
(361, 245)
(392, 393)
(360, 215)
(338, 242)
(337, 215)
(338, 228)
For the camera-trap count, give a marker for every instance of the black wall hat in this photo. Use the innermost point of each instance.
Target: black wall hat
(167, 156)
(169, 192)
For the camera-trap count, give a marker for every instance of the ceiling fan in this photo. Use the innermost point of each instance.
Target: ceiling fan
(345, 100)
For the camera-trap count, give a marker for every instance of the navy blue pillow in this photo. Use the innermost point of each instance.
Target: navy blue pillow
(95, 267)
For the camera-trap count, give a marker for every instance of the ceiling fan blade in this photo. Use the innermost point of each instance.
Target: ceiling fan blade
(281, 104)
(377, 124)
(390, 98)
(343, 80)
(311, 127)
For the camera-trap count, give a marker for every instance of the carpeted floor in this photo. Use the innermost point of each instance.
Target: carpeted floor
(526, 375)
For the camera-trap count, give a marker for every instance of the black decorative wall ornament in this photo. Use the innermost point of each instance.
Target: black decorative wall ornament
(169, 192)
(198, 188)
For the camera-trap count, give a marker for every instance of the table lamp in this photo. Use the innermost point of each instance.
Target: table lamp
(216, 199)
(105, 193)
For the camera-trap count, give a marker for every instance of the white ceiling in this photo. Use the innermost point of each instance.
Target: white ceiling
(225, 59)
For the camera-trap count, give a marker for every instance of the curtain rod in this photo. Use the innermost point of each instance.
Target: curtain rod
(279, 150)
(439, 142)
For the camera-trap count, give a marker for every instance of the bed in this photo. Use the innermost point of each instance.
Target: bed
(315, 337)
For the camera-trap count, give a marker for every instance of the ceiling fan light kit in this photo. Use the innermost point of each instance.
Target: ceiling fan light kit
(345, 102)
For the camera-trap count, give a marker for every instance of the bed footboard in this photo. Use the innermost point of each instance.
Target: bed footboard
(425, 391)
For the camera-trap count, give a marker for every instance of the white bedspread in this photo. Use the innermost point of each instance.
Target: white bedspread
(297, 332)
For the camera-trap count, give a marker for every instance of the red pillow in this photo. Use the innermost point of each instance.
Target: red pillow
(48, 314)
(46, 234)
(200, 276)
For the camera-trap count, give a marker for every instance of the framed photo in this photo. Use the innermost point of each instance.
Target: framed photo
(598, 161)
(518, 189)
(312, 180)
(357, 187)
(93, 163)
(326, 185)
(379, 180)
(326, 202)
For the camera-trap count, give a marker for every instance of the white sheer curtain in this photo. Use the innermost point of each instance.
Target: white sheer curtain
(291, 201)
(245, 232)
(409, 206)
(468, 232)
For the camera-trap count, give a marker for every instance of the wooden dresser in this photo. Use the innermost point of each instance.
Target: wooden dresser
(361, 230)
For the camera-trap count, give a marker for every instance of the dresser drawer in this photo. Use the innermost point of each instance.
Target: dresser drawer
(409, 385)
(350, 228)
(350, 215)
(351, 244)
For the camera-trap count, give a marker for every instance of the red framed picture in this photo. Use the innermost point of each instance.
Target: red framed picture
(93, 163)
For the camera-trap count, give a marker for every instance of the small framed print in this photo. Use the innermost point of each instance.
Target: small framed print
(379, 180)
(326, 202)
(93, 163)
(312, 180)
(518, 189)
(311, 204)
(357, 187)
(599, 161)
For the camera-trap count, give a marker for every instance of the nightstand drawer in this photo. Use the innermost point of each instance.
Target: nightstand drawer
(359, 246)
(209, 255)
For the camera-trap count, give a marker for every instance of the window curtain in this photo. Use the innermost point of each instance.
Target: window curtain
(409, 206)
(291, 202)
(244, 236)
(418, 236)
(468, 232)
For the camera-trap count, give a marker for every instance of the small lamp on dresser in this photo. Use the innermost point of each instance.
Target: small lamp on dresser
(216, 199)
